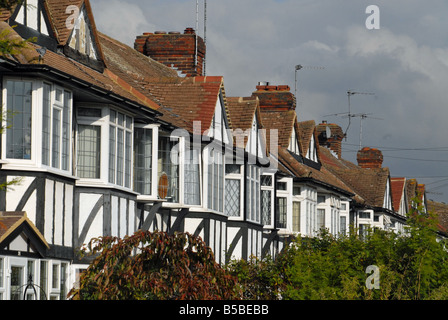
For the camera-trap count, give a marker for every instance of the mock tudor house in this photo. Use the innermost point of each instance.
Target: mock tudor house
(101, 139)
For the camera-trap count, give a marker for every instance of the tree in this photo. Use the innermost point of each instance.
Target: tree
(154, 265)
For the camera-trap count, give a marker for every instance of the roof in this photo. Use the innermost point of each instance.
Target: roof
(283, 121)
(13, 222)
(368, 184)
(188, 99)
(107, 81)
(300, 170)
(242, 111)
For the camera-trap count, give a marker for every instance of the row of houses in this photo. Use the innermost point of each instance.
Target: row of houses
(102, 139)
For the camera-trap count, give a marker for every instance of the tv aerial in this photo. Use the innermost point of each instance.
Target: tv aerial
(349, 114)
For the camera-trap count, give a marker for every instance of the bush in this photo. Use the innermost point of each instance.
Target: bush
(153, 266)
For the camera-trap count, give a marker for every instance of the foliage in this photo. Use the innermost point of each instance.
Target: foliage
(412, 265)
(153, 266)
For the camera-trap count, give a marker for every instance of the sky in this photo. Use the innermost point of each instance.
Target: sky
(399, 70)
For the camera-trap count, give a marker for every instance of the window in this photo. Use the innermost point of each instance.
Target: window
(19, 108)
(282, 186)
(321, 199)
(120, 149)
(376, 217)
(192, 184)
(16, 282)
(1, 273)
(89, 155)
(143, 148)
(169, 167)
(343, 225)
(233, 190)
(63, 282)
(267, 198)
(215, 180)
(296, 216)
(43, 280)
(364, 214)
(296, 190)
(253, 193)
(343, 206)
(320, 223)
(281, 205)
(56, 127)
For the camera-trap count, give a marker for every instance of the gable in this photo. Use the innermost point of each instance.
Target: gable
(19, 236)
(293, 142)
(82, 38)
(312, 150)
(219, 128)
(31, 14)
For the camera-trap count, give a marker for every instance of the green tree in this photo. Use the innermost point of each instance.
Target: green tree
(154, 265)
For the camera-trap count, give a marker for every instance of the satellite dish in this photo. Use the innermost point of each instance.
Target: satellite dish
(328, 131)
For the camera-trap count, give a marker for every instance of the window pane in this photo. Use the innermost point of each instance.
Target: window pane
(266, 204)
(66, 131)
(89, 144)
(143, 160)
(112, 153)
(43, 280)
(170, 168)
(16, 283)
(56, 138)
(233, 191)
(18, 135)
(296, 216)
(320, 218)
(266, 180)
(281, 212)
(120, 156)
(192, 191)
(128, 160)
(46, 122)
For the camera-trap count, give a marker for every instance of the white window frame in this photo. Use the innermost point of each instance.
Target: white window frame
(103, 122)
(210, 184)
(268, 188)
(154, 169)
(236, 176)
(253, 201)
(35, 162)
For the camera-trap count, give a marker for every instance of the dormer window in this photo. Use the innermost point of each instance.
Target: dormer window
(81, 38)
(30, 14)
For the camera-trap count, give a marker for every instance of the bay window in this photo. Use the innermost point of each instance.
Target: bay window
(35, 106)
(104, 145)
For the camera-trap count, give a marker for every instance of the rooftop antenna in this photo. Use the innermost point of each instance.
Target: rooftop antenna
(349, 94)
(299, 67)
(362, 116)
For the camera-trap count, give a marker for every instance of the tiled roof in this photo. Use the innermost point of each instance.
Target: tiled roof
(441, 210)
(368, 184)
(306, 130)
(397, 186)
(283, 121)
(241, 114)
(301, 170)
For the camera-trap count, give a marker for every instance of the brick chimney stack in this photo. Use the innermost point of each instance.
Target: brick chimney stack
(370, 158)
(186, 51)
(275, 97)
(330, 135)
